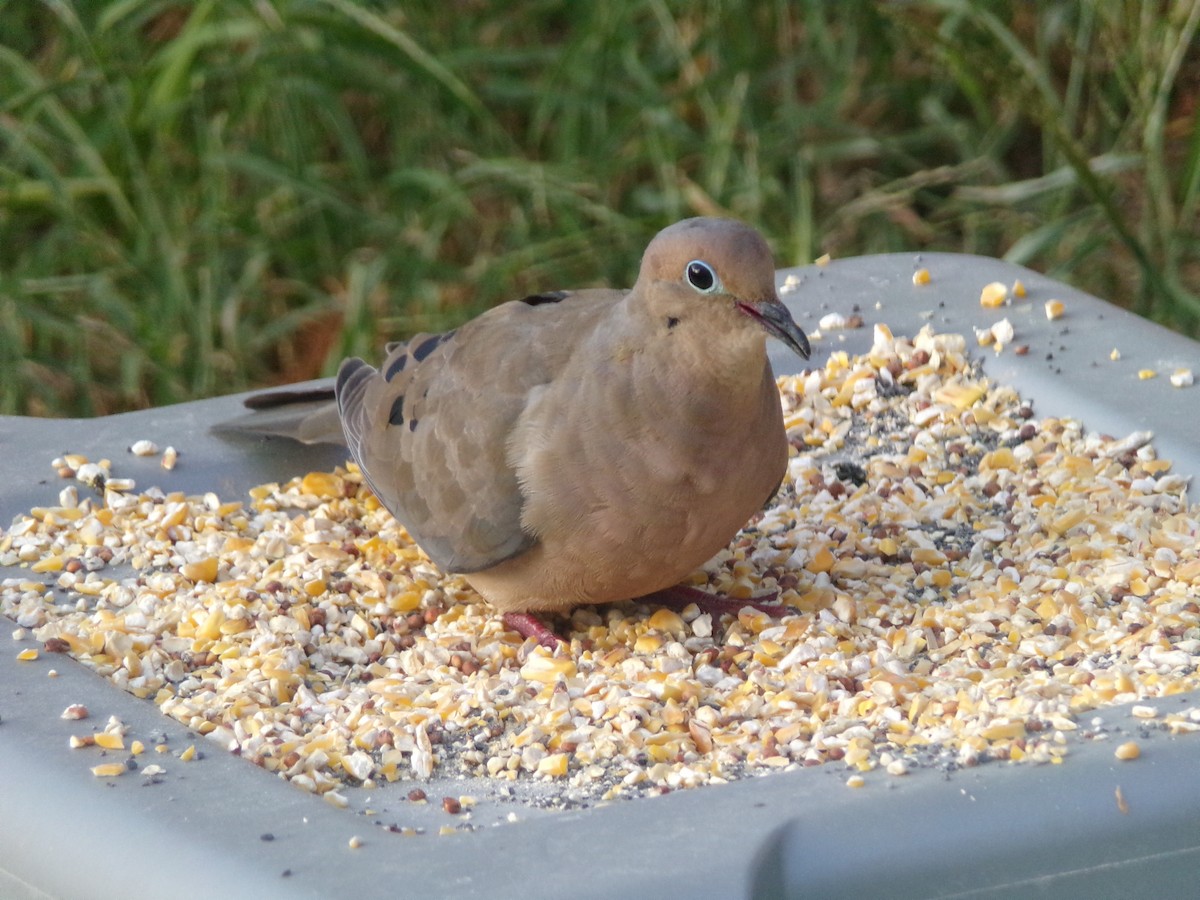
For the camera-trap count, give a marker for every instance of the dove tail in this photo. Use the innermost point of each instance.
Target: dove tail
(307, 415)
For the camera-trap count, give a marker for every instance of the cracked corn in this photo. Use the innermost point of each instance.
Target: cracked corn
(962, 580)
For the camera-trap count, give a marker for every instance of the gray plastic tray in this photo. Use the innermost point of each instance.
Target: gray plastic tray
(994, 830)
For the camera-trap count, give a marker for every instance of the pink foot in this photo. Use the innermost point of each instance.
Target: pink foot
(681, 595)
(530, 626)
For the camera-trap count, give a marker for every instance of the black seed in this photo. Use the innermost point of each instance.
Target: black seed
(851, 472)
(412, 424)
(396, 415)
(672, 321)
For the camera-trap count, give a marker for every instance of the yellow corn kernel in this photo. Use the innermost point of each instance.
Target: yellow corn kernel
(48, 564)
(648, 643)
(929, 556)
(1055, 309)
(1003, 730)
(109, 770)
(960, 396)
(822, 561)
(28, 655)
(1068, 520)
(201, 570)
(1127, 751)
(554, 765)
(109, 740)
(1000, 458)
(210, 629)
(321, 484)
(665, 619)
(547, 669)
(921, 277)
(993, 295)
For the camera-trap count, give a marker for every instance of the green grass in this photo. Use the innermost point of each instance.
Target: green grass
(202, 197)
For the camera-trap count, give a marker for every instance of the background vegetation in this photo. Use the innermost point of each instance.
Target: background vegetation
(198, 197)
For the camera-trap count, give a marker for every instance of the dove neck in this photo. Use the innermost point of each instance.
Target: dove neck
(709, 368)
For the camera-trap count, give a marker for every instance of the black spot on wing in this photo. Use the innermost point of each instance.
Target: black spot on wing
(672, 322)
(396, 367)
(412, 424)
(547, 297)
(430, 344)
(396, 414)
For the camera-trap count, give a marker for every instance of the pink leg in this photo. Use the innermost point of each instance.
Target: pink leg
(530, 626)
(681, 595)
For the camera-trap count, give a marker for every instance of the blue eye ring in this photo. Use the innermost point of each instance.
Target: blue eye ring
(701, 276)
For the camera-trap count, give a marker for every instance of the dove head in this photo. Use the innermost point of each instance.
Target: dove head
(723, 263)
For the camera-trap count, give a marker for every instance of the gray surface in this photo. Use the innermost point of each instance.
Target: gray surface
(996, 830)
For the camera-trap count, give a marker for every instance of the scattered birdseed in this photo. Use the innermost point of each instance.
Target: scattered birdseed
(144, 448)
(962, 580)
(1146, 374)
(993, 295)
(169, 458)
(355, 842)
(1018, 289)
(1182, 378)
(1055, 309)
(822, 260)
(109, 770)
(1122, 806)
(1127, 751)
(790, 284)
(856, 781)
(1115, 354)
(29, 654)
(1003, 332)
(998, 335)
(109, 740)
(75, 711)
(333, 798)
(1144, 712)
(832, 322)
(921, 277)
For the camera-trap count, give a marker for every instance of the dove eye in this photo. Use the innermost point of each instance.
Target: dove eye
(701, 276)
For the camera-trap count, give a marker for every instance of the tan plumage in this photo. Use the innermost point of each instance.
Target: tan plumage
(590, 446)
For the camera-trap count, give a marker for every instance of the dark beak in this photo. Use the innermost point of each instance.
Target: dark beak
(775, 319)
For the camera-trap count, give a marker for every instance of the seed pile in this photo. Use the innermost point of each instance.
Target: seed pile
(962, 581)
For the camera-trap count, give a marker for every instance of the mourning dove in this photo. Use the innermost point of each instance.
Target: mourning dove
(589, 446)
